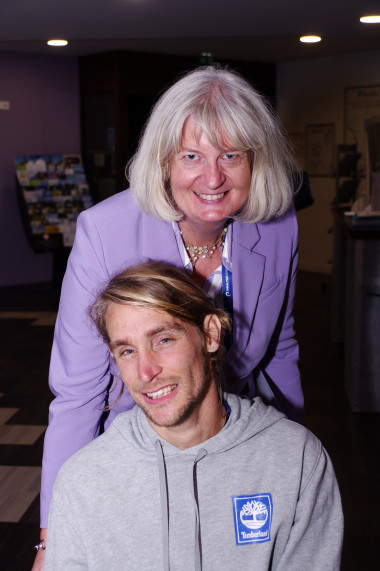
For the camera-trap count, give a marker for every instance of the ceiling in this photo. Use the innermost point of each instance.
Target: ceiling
(232, 29)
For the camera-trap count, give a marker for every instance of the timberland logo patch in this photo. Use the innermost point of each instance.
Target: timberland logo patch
(253, 518)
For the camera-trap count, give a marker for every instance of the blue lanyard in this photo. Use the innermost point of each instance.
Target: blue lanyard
(227, 299)
(227, 287)
(227, 290)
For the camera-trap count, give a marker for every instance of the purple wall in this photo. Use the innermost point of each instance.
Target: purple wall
(44, 117)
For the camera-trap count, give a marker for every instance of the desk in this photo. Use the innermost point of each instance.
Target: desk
(356, 311)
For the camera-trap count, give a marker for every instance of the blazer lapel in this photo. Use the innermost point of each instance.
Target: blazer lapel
(247, 278)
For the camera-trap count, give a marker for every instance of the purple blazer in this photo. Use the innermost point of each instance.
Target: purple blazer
(115, 234)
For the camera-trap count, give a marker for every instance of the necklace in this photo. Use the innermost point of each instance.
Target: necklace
(203, 252)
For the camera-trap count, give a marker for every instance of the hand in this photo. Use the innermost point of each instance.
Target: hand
(39, 561)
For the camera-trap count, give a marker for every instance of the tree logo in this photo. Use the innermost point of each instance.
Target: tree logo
(253, 518)
(254, 514)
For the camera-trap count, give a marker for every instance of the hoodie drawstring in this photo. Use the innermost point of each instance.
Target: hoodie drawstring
(197, 540)
(164, 503)
(165, 507)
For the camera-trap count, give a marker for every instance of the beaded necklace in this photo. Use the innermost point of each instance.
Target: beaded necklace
(203, 252)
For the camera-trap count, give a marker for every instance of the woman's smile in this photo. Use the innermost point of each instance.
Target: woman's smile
(211, 197)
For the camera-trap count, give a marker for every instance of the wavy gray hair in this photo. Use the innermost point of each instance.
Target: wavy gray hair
(226, 107)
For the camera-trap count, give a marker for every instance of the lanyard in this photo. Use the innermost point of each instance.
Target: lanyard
(227, 290)
(228, 297)
(227, 286)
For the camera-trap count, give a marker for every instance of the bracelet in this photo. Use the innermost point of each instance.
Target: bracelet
(40, 545)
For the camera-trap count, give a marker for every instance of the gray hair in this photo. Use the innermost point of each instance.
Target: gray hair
(226, 107)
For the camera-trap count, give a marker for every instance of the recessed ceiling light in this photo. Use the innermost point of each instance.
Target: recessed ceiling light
(57, 43)
(310, 39)
(374, 19)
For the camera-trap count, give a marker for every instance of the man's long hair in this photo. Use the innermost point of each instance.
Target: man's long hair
(162, 287)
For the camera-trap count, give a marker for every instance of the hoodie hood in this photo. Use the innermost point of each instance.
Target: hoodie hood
(247, 418)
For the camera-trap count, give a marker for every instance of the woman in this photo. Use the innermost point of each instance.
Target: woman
(211, 192)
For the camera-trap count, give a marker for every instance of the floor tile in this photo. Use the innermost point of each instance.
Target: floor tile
(7, 413)
(39, 317)
(19, 486)
(20, 434)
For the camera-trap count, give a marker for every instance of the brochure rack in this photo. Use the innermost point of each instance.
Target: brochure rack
(52, 191)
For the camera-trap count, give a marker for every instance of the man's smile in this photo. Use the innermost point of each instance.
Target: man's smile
(161, 392)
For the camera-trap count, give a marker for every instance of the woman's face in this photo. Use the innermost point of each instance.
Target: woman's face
(208, 184)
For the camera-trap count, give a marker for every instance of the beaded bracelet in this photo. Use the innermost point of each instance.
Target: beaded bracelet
(40, 545)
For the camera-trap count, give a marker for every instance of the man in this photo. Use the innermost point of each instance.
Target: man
(190, 478)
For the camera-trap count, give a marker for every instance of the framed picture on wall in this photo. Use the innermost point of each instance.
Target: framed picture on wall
(320, 140)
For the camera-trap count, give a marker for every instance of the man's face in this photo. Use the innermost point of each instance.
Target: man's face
(161, 361)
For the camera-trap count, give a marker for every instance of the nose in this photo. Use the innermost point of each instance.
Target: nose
(148, 367)
(214, 176)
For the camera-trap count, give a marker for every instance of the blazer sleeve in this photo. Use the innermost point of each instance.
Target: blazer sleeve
(280, 364)
(80, 365)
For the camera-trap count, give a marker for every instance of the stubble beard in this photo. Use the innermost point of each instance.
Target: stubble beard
(190, 405)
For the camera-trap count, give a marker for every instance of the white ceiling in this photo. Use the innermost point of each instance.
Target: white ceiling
(232, 29)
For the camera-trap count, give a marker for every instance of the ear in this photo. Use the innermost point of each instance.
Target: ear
(212, 328)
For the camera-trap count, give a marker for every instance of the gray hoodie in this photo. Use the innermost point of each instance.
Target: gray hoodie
(261, 494)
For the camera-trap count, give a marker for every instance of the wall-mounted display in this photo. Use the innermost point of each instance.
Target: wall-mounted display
(320, 154)
(53, 190)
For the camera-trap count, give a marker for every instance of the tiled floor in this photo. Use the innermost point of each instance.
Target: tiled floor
(352, 440)
(26, 327)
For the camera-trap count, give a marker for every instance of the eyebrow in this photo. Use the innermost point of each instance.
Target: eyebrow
(188, 150)
(223, 150)
(175, 327)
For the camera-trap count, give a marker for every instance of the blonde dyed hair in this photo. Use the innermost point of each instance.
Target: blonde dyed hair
(230, 111)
